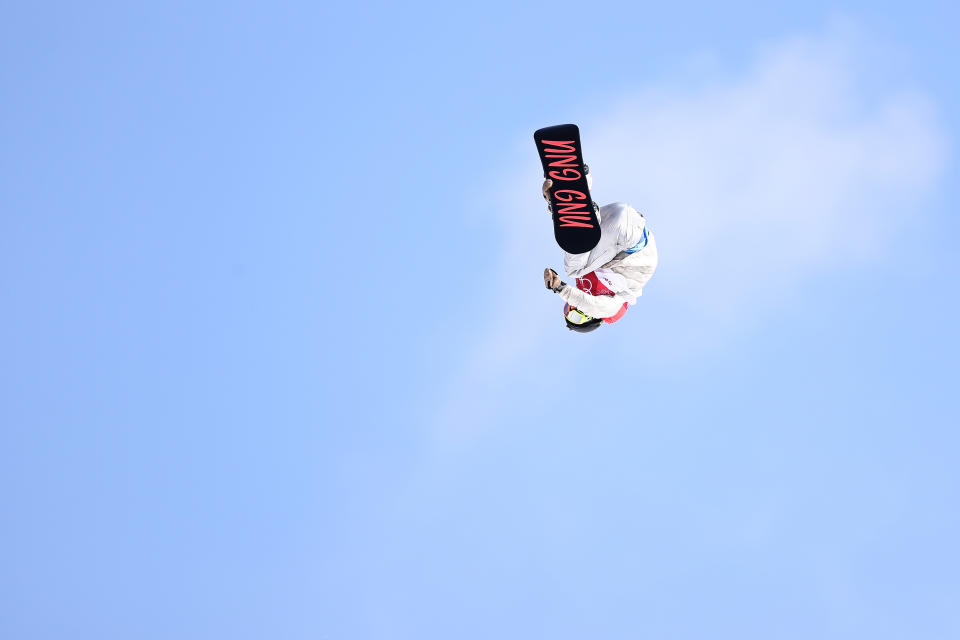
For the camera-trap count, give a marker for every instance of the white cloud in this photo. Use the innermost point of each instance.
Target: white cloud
(753, 186)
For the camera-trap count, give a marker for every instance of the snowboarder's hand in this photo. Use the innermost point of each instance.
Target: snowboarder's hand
(546, 189)
(552, 280)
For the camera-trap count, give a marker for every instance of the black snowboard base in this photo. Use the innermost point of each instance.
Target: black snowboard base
(575, 223)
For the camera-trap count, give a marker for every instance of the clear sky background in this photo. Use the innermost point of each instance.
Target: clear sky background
(276, 359)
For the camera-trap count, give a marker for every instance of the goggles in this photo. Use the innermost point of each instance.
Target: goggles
(575, 315)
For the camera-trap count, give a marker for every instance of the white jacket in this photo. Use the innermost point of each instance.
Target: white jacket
(621, 228)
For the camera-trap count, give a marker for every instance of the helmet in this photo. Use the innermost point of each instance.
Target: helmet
(586, 327)
(579, 321)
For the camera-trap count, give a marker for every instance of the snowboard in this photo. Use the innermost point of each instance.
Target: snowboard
(575, 223)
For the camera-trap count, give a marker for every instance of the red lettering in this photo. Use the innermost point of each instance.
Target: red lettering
(568, 175)
(568, 195)
(570, 213)
(572, 207)
(573, 221)
(565, 146)
(568, 161)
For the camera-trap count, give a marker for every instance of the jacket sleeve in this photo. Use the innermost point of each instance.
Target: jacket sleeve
(594, 306)
(574, 263)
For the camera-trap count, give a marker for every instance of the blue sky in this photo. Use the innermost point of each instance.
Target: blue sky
(277, 361)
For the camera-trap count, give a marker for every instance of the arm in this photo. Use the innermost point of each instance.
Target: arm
(574, 263)
(622, 227)
(594, 306)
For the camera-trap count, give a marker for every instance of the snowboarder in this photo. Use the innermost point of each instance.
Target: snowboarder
(611, 276)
